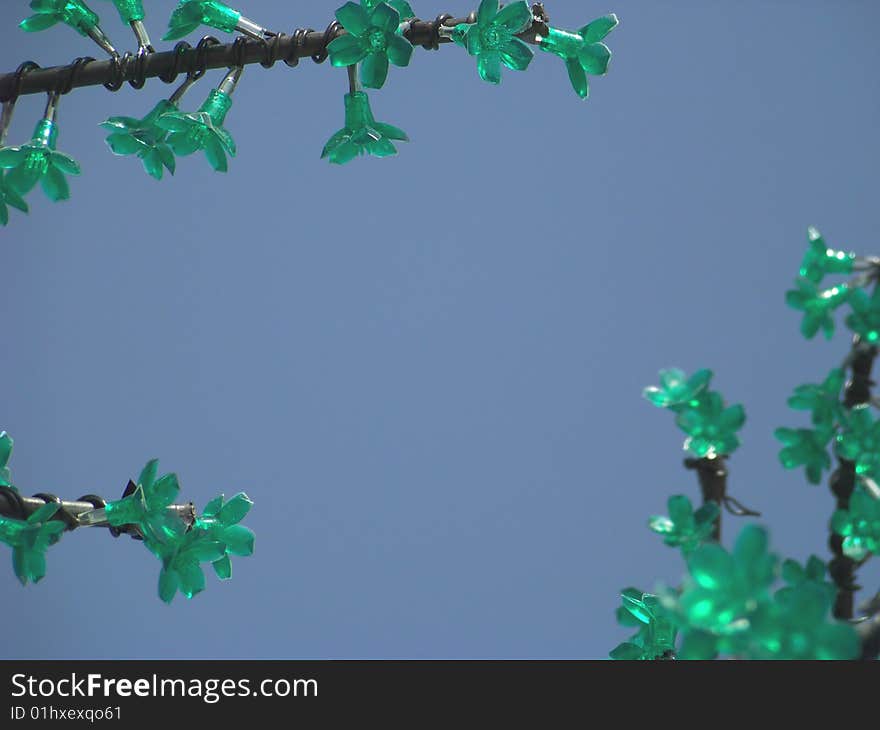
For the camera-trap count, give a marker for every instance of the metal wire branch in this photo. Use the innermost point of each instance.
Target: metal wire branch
(302, 43)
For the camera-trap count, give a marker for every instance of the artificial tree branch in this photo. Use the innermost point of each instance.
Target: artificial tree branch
(183, 59)
(712, 475)
(843, 481)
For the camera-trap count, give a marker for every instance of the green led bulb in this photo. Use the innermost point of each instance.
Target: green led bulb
(859, 525)
(144, 138)
(29, 540)
(817, 305)
(711, 427)
(492, 39)
(203, 129)
(146, 506)
(656, 635)
(677, 390)
(820, 260)
(865, 317)
(805, 447)
(190, 14)
(822, 400)
(5, 452)
(362, 134)
(9, 197)
(38, 160)
(74, 13)
(372, 38)
(860, 441)
(583, 51)
(685, 528)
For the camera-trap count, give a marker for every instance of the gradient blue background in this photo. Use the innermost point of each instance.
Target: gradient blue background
(426, 371)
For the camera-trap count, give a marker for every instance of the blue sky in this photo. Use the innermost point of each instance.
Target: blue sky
(426, 370)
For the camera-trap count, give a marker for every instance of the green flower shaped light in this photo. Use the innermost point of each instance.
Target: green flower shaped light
(401, 6)
(5, 452)
(723, 589)
(190, 14)
(859, 525)
(74, 13)
(711, 427)
(822, 400)
(583, 51)
(820, 260)
(685, 528)
(132, 13)
(656, 635)
(362, 134)
(805, 447)
(860, 442)
(492, 39)
(220, 522)
(203, 129)
(144, 138)
(38, 161)
(817, 305)
(811, 574)
(677, 390)
(212, 539)
(9, 197)
(373, 39)
(865, 317)
(146, 505)
(29, 540)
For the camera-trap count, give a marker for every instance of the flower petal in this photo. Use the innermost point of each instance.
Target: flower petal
(399, 50)
(374, 70)
(65, 163)
(516, 54)
(216, 155)
(489, 66)
(346, 50)
(353, 18)
(578, 77)
(55, 185)
(487, 11)
(381, 147)
(594, 58)
(385, 18)
(38, 22)
(515, 17)
(390, 131)
(11, 157)
(599, 28)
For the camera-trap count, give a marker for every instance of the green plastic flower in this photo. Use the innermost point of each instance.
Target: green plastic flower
(220, 521)
(812, 573)
(817, 305)
(372, 39)
(805, 447)
(656, 635)
(29, 540)
(146, 506)
(676, 390)
(860, 441)
(74, 13)
(214, 536)
(822, 400)
(583, 51)
(202, 130)
(38, 161)
(9, 197)
(129, 10)
(865, 317)
(5, 452)
(492, 39)
(711, 428)
(820, 260)
(190, 14)
(859, 525)
(685, 528)
(723, 589)
(362, 134)
(144, 138)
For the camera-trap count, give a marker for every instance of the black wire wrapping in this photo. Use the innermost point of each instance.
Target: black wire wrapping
(19, 75)
(69, 520)
(171, 76)
(74, 71)
(13, 499)
(434, 43)
(329, 35)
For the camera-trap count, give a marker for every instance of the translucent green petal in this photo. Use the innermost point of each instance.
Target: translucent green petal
(346, 50)
(489, 66)
(390, 131)
(216, 155)
(374, 70)
(486, 12)
(400, 50)
(514, 17)
(353, 18)
(594, 58)
(579, 83)
(38, 22)
(599, 28)
(381, 148)
(55, 185)
(385, 18)
(516, 54)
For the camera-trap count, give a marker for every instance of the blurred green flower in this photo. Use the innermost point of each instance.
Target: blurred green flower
(143, 138)
(685, 528)
(29, 540)
(492, 39)
(864, 319)
(8, 196)
(860, 441)
(655, 638)
(362, 134)
(583, 52)
(822, 400)
(859, 525)
(817, 305)
(711, 428)
(38, 161)
(676, 390)
(805, 447)
(820, 260)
